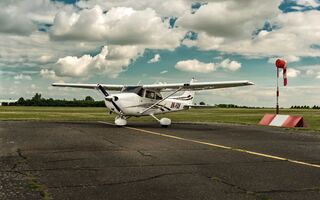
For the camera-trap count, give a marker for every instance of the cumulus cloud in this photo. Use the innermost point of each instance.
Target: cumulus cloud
(288, 58)
(197, 66)
(118, 26)
(155, 59)
(111, 61)
(312, 71)
(194, 66)
(205, 42)
(14, 22)
(164, 72)
(230, 65)
(165, 8)
(293, 37)
(229, 19)
(307, 3)
(292, 73)
(49, 74)
(37, 50)
(22, 17)
(22, 77)
(253, 28)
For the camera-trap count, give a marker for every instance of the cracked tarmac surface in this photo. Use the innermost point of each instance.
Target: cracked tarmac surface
(91, 160)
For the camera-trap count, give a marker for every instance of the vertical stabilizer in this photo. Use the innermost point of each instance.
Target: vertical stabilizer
(187, 96)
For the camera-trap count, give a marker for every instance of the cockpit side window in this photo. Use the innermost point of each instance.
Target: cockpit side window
(158, 96)
(150, 94)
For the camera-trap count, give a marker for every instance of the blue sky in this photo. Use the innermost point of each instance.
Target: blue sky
(126, 42)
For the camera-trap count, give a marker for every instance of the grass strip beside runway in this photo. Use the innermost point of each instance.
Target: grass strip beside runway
(222, 115)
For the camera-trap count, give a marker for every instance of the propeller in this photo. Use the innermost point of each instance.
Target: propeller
(106, 94)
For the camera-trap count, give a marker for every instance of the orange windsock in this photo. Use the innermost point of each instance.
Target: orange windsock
(282, 64)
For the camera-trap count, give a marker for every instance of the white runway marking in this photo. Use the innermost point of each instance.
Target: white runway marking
(220, 146)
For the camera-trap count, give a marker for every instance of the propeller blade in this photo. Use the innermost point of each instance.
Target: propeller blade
(104, 92)
(112, 99)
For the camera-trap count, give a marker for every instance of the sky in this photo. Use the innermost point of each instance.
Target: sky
(152, 41)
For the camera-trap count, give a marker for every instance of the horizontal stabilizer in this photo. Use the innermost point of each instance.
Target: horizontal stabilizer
(198, 106)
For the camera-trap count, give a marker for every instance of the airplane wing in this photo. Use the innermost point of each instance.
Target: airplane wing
(89, 86)
(164, 87)
(197, 85)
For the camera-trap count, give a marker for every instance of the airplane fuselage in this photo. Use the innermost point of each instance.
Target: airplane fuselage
(131, 104)
(146, 100)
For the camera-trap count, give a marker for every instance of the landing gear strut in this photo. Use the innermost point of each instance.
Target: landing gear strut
(164, 122)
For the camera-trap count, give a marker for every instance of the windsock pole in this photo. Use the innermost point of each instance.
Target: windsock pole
(277, 103)
(280, 64)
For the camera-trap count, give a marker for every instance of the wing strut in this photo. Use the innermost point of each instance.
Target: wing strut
(145, 110)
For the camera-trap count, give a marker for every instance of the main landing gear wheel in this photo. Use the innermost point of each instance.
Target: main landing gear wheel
(165, 122)
(120, 121)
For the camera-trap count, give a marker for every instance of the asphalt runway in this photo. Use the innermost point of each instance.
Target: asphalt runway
(96, 160)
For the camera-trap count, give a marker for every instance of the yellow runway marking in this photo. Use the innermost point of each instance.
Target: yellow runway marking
(222, 147)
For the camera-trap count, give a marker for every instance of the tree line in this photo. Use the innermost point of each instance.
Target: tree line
(237, 106)
(305, 107)
(38, 100)
(88, 101)
(227, 105)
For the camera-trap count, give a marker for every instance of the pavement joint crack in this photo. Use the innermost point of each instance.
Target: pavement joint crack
(121, 182)
(32, 182)
(21, 155)
(111, 142)
(144, 165)
(220, 180)
(316, 189)
(60, 169)
(143, 153)
(65, 160)
(258, 193)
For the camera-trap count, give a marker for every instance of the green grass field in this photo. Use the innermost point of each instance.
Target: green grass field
(223, 115)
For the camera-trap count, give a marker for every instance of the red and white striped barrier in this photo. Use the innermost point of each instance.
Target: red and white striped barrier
(287, 121)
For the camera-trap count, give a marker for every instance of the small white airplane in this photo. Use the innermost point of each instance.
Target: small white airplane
(146, 100)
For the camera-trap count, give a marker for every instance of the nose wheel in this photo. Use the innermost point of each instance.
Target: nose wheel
(120, 121)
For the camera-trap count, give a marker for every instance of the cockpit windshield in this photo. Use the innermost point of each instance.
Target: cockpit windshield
(133, 89)
(140, 91)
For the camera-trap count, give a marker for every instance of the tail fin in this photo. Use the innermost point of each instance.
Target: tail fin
(187, 96)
